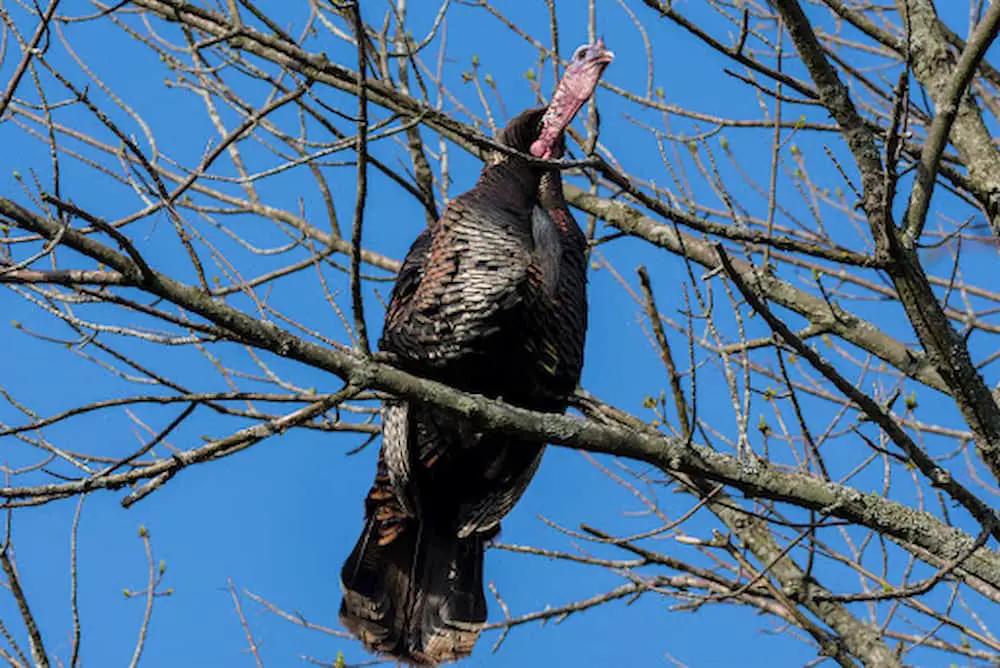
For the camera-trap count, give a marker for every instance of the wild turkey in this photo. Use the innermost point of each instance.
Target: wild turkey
(492, 300)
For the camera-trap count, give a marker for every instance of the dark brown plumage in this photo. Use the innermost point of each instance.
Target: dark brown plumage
(491, 300)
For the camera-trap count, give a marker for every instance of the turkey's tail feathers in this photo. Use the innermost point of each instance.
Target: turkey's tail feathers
(417, 597)
(375, 580)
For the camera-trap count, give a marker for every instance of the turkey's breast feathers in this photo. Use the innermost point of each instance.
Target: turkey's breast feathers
(490, 300)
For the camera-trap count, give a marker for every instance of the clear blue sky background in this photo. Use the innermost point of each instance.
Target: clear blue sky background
(280, 518)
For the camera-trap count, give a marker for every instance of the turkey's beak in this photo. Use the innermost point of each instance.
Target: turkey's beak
(576, 87)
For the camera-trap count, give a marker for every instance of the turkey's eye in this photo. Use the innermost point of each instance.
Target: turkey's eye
(579, 53)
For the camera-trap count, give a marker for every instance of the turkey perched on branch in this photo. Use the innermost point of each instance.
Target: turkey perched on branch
(491, 299)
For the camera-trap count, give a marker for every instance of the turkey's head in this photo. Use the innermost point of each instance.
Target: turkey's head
(575, 88)
(540, 131)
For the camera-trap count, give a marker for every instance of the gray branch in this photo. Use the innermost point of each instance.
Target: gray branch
(912, 529)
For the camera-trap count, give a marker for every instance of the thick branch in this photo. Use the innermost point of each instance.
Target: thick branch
(935, 68)
(948, 104)
(912, 529)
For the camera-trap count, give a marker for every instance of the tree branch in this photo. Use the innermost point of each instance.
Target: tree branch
(948, 104)
(934, 66)
(904, 525)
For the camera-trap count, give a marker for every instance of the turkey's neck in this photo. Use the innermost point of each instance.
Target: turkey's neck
(512, 182)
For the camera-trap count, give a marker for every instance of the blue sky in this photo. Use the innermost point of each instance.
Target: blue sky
(279, 518)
